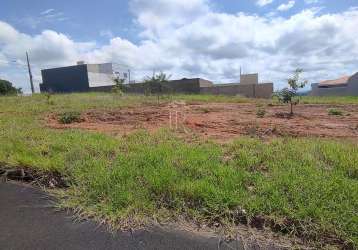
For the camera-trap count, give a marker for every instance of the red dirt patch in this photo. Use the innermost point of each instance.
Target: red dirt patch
(223, 121)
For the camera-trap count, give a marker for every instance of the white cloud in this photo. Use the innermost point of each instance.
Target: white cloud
(159, 15)
(3, 60)
(106, 33)
(45, 12)
(45, 17)
(263, 2)
(286, 6)
(195, 41)
(312, 1)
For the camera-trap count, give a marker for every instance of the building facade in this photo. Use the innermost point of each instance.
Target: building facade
(77, 78)
(344, 86)
(249, 86)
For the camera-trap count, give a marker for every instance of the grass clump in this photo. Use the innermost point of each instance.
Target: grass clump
(334, 111)
(69, 117)
(261, 112)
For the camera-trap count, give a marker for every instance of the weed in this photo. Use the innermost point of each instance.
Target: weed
(334, 111)
(119, 87)
(260, 112)
(205, 110)
(48, 99)
(69, 117)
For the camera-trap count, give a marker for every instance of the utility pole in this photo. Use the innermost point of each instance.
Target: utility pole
(129, 76)
(30, 74)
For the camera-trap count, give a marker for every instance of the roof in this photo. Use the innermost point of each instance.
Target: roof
(337, 82)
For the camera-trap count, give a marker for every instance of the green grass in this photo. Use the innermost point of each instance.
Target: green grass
(334, 111)
(69, 117)
(211, 98)
(134, 179)
(329, 99)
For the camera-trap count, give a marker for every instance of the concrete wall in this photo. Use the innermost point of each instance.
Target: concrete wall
(184, 86)
(197, 86)
(100, 75)
(101, 89)
(249, 79)
(264, 90)
(350, 90)
(104, 68)
(353, 85)
(229, 89)
(205, 83)
(335, 91)
(65, 79)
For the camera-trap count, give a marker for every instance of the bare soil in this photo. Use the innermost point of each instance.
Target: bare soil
(222, 121)
(46, 179)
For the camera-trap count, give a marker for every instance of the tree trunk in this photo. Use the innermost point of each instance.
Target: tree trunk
(291, 113)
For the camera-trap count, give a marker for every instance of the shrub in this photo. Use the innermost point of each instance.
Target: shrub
(261, 112)
(335, 112)
(155, 84)
(69, 117)
(119, 87)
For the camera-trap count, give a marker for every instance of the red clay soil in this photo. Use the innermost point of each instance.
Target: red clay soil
(223, 121)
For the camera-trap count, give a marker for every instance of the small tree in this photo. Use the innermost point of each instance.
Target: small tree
(154, 84)
(290, 95)
(119, 87)
(6, 88)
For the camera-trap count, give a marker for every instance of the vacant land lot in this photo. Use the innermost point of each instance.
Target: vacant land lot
(223, 121)
(295, 176)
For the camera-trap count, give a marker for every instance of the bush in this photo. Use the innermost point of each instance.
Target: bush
(261, 112)
(119, 87)
(6, 88)
(335, 112)
(69, 117)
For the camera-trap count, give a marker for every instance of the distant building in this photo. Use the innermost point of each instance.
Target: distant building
(99, 77)
(78, 78)
(248, 79)
(249, 86)
(344, 86)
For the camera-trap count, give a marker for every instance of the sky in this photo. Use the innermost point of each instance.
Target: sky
(211, 39)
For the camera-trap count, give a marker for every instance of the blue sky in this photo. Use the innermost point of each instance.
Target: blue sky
(84, 20)
(206, 38)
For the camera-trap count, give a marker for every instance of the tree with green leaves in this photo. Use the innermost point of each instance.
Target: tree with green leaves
(119, 87)
(290, 94)
(6, 88)
(154, 84)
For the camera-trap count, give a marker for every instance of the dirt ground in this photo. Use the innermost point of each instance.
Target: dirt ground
(223, 121)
